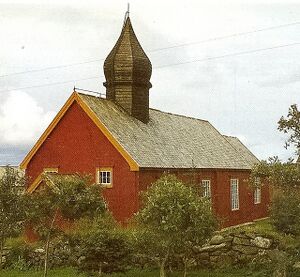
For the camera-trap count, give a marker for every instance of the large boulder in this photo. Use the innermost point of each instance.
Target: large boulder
(262, 242)
(217, 239)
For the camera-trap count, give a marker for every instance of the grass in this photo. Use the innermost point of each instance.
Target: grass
(203, 273)
(65, 272)
(69, 272)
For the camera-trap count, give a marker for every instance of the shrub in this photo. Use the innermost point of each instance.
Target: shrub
(285, 213)
(18, 256)
(100, 246)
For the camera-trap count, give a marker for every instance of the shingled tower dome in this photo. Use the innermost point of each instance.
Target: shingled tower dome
(127, 72)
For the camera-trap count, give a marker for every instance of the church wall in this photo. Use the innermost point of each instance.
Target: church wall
(220, 191)
(77, 145)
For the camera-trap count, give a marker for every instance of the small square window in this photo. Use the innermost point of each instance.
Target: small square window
(104, 177)
(50, 170)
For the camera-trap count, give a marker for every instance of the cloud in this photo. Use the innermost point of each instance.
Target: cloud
(22, 120)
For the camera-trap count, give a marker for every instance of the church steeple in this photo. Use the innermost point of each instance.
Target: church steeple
(128, 71)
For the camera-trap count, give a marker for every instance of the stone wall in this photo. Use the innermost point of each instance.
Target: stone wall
(234, 248)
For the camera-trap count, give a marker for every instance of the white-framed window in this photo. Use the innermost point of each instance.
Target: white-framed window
(257, 191)
(104, 177)
(234, 194)
(206, 188)
(50, 170)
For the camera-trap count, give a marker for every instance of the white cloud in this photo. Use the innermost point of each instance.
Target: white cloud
(22, 120)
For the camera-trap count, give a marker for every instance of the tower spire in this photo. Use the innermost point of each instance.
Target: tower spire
(127, 71)
(127, 13)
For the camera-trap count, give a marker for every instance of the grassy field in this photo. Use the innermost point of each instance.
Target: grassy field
(204, 273)
(69, 272)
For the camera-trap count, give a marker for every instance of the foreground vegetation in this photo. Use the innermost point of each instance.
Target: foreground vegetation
(69, 272)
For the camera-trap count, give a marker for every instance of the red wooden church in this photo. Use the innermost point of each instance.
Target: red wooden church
(126, 145)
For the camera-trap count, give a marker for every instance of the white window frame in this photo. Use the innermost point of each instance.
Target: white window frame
(257, 191)
(50, 170)
(206, 186)
(104, 176)
(234, 194)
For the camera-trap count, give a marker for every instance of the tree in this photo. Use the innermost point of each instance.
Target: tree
(284, 177)
(291, 125)
(173, 219)
(11, 212)
(65, 199)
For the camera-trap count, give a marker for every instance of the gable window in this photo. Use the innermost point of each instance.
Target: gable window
(206, 188)
(257, 191)
(234, 194)
(50, 170)
(104, 177)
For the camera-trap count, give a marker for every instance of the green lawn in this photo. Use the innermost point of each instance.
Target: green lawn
(204, 273)
(68, 272)
(136, 273)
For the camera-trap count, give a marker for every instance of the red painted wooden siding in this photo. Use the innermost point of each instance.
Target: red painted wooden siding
(77, 145)
(220, 191)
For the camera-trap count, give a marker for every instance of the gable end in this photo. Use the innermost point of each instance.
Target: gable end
(75, 97)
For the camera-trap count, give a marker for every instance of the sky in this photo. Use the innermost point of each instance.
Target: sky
(233, 63)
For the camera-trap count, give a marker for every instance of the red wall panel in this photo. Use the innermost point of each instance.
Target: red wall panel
(220, 191)
(77, 145)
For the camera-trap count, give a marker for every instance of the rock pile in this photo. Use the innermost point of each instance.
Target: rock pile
(233, 248)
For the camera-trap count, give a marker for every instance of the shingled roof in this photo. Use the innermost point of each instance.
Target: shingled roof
(170, 140)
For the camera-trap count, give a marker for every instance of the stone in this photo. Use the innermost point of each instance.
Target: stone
(262, 242)
(251, 236)
(204, 256)
(241, 241)
(296, 265)
(209, 248)
(80, 260)
(39, 250)
(216, 253)
(217, 239)
(245, 249)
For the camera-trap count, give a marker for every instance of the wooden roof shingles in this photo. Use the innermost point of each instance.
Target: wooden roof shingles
(170, 140)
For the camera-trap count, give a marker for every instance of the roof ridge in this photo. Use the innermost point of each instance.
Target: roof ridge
(153, 109)
(180, 115)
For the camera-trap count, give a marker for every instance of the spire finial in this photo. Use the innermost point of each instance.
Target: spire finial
(127, 13)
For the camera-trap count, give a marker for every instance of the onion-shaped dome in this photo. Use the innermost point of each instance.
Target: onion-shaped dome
(128, 71)
(127, 61)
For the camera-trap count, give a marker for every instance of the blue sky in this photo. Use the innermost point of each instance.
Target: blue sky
(236, 62)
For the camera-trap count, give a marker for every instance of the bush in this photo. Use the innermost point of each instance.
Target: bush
(18, 256)
(285, 213)
(100, 246)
